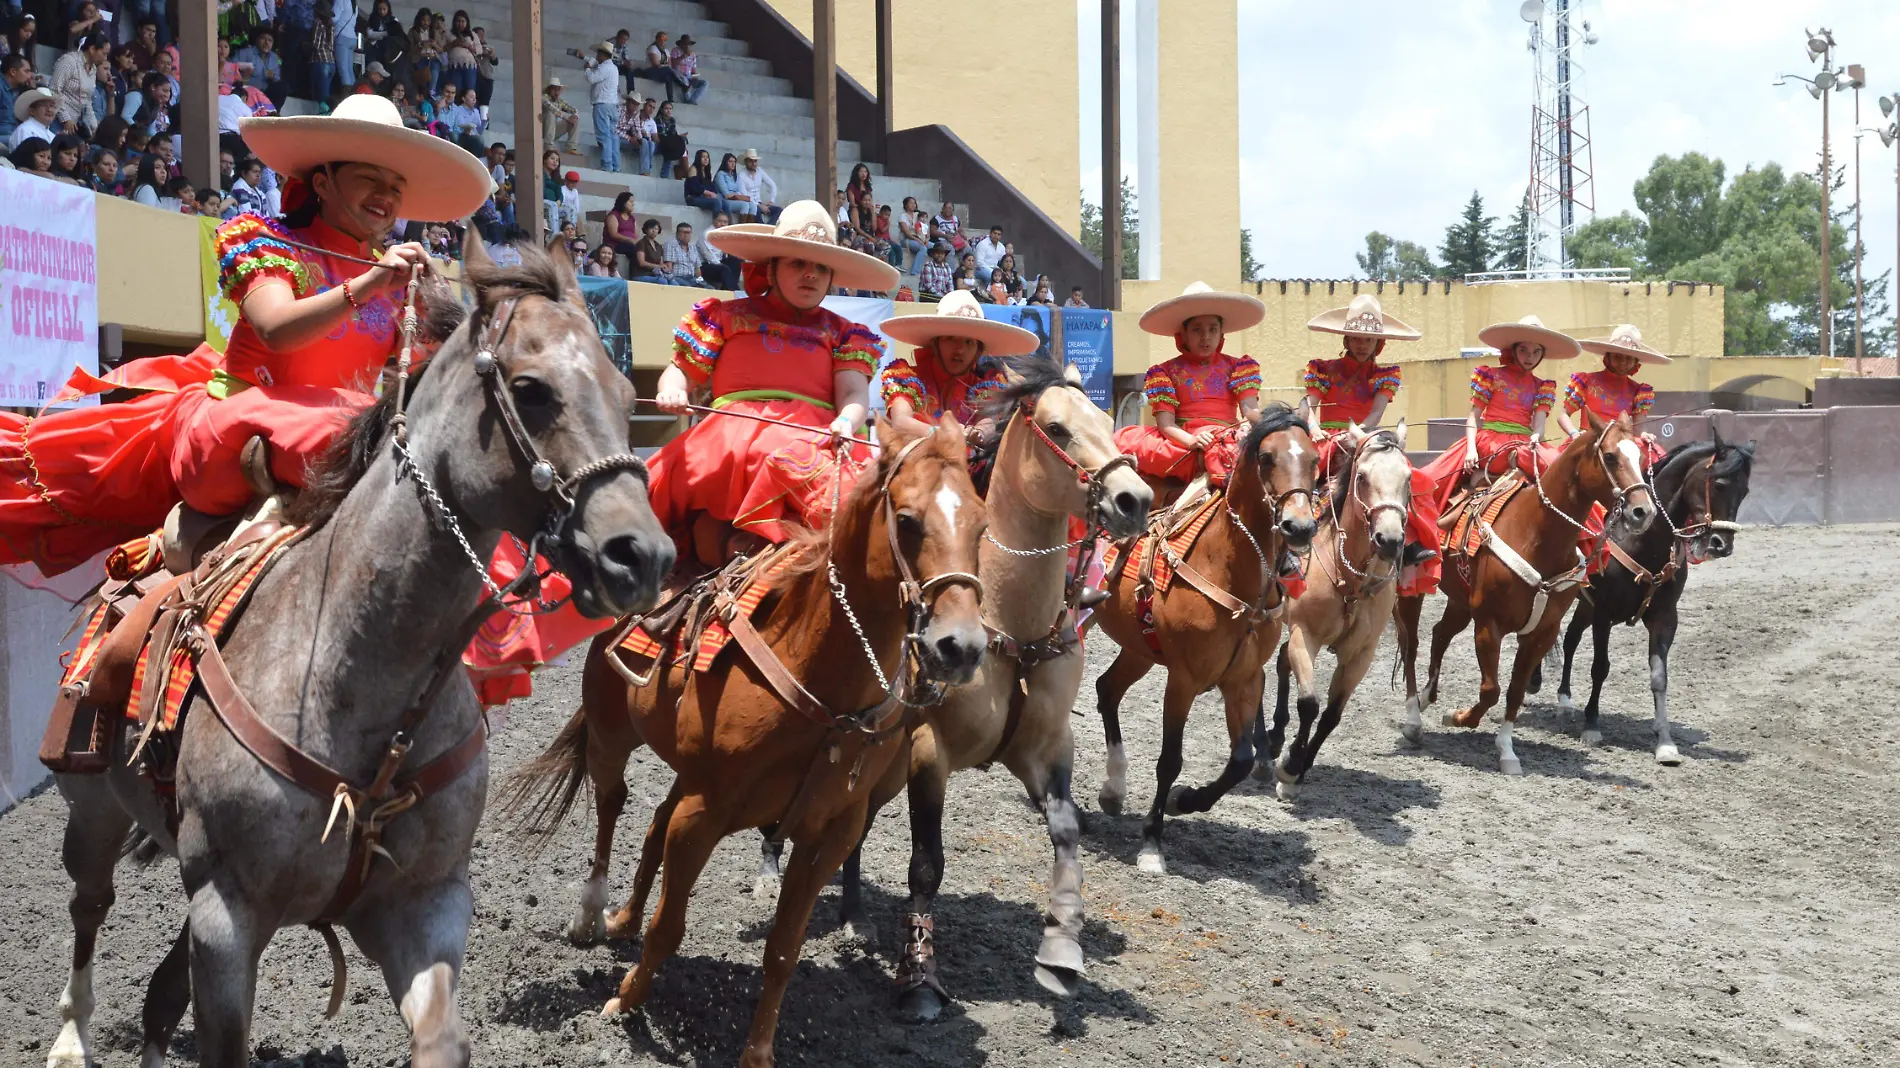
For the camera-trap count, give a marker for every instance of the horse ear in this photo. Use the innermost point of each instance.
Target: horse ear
(1596, 421)
(1715, 434)
(1400, 432)
(474, 252)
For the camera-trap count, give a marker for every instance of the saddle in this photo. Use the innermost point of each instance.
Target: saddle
(692, 622)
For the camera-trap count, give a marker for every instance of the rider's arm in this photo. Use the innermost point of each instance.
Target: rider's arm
(1472, 419)
(673, 390)
(852, 388)
(1573, 403)
(1250, 408)
(1164, 422)
(904, 417)
(1379, 401)
(285, 322)
(1537, 424)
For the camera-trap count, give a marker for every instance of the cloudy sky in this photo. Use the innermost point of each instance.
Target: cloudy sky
(1385, 115)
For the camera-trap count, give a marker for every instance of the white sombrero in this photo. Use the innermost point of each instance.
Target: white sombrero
(28, 99)
(1625, 340)
(1557, 345)
(959, 315)
(1362, 318)
(805, 230)
(445, 182)
(1237, 311)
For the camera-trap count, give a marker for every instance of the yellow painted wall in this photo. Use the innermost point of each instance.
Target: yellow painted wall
(148, 273)
(1001, 74)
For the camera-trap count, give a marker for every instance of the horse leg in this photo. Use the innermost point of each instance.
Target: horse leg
(808, 876)
(227, 940)
(419, 940)
(1599, 671)
(609, 774)
(771, 856)
(96, 826)
(1297, 658)
(622, 924)
(1405, 619)
(1268, 742)
(1242, 698)
(1573, 634)
(1527, 659)
(1489, 643)
(1059, 963)
(167, 996)
(921, 750)
(1127, 670)
(1176, 702)
(1662, 634)
(691, 834)
(1348, 672)
(919, 994)
(1457, 616)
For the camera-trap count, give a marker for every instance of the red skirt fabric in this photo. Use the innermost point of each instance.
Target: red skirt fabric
(299, 422)
(1494, 450)
(1158, 456)
(753, 475)
(510, 646)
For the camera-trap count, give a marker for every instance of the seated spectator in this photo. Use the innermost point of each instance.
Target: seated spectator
(122, 80)
(966, 277)
(16, 77)
(645, 136)
(726, 184)
(618, 231)
(230, 71)
(227, 168)
(551, 189)
(949, 226)
(623, 55)
(103, 174)
(267, 66)
(247, 192)
(558, 117)
(505, 252)
(864, 223)
(912, 228)
(463, 123)
(146, 44)
(568, 245)
(600, 263)
(179, 196)
(888, 248)
(137, 145)
(682, 257)
(682, 71)
(75, 76)
(69, 159)
(34, 156)
(406, 106)
(756, 188)
(1075, 298)
(211, 203)
(110, 135)
(571, 204)
(506, 198)
(86, 20)
(1044, 295)
(656, 63)
(649, 256)
(375, 79)
(990, 251)
(719, 270)
(166, 63)
(934, 278)
(150, 109)
(35, 111)
(1006, 277)
(701, 190)
(671, 143)
(841, 210)
(859, 186)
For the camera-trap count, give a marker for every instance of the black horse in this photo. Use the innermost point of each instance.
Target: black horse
(1704, 483)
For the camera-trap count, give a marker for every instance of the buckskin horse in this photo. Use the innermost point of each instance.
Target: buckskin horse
(1525, 570)
(1704, 483)
(1351, 586)
(1215, 623)
(795, 732)
(338, 695)
(1057, 459)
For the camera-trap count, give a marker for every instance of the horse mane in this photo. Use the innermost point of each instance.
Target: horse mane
(1274, 418)
(1030, 376)
(537, 275)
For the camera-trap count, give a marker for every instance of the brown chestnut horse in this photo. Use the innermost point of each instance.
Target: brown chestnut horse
(743, 755)
(1527, 571)
(1215, 625)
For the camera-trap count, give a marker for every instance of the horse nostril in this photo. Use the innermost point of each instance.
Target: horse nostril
(1126, 504)
(622, 551)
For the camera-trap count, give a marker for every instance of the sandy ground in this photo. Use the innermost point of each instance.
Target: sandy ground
(1413, 907)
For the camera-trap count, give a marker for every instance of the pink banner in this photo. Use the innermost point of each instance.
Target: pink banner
(49, 287)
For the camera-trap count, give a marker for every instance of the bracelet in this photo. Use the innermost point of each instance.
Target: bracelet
(350, 297)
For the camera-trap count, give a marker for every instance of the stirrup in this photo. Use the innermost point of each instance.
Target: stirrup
(254, 460)
(1415, 554)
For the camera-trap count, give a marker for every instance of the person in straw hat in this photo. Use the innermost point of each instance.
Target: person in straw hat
(1613, 390)
(1349, 394)
(1509, 404)
(1201, 396)
(957, 368)
(773, 353)
(312, 327)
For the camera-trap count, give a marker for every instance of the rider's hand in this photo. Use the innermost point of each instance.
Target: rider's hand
(671, 401)
(1471, 458)
(1205, 438)
(981, 432)
(394, 267)
(841, 430)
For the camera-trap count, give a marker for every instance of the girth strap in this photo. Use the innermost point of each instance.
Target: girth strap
(1027, 655)
(1522, 568)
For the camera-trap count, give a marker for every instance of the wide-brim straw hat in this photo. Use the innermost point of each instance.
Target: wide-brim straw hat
(1363, 318)
(444, 181)
(1557, 344)
(960, 315)
(1237, 311)
(805, 230)
(28, 99)
(1625, 340)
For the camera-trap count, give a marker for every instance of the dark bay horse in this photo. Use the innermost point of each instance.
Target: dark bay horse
(1216, 624)
(1527, 571)
(1700, 487)
(343, 639)
(897, 574)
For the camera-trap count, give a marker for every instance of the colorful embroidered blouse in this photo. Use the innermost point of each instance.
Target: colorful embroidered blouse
(1202, 390)
(1511, 396)
(931, 392)
(253, 251)
(761, 346)
(1608, 394)
(1345, 388)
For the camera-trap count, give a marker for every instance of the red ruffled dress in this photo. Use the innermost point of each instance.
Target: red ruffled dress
(762, 357)
(1343, 390)
(1609, 394)
(1199, 394)
(1509, 397)
(931, 391)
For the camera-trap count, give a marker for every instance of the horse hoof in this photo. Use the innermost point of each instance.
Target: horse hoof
(1510, 765)
(1109, 802)
(1592, 738)
(1668, 756)
(1061, 953)
(1563, 702)
(1449, 719)
(1173, 805)
(921, 1003)
(1262, 770)
(1413, 734)
(587, 931)
(612, 1009)
(1061, 982)
(1149, 860)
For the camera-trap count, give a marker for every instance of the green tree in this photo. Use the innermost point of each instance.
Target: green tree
(1616, 241)
(1471, 243)
(1249, 267)
(1388, 259)
(1682, 199)
(1131, 230)
(1514, 246)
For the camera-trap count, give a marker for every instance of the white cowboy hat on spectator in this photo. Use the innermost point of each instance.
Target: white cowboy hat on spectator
(750, 153)
(1362, 318)
(1557, 344)
(1237, 311)
(959, 315)
(605, 46)
(807, 231)
(553, 83)
(1625, 340)
(28, 99)
(444, 180)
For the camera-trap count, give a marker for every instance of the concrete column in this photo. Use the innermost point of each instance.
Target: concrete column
(1148, 135)
(198, 79)
(824, 58)
(886, 77)
(528, 84)
(1111, 283)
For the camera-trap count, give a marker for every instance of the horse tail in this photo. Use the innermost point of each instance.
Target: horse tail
(542, 792)
(140, 848)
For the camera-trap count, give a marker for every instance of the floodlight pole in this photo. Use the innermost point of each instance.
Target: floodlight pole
(1111, 154)
(1855, 75)
(1827, 278)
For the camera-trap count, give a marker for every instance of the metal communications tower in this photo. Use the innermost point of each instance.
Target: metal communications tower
(1561, 166)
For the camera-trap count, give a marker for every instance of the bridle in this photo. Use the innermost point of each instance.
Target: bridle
(1095, 482)
(1276, 510)
(1369, 512)
(1619, 495)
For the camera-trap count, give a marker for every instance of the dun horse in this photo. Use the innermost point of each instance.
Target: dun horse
(1215, 625)
(1704, 484)
(351, 646)
(1057, 459)
(796, 739)
(1351, 586)
(1527, 571)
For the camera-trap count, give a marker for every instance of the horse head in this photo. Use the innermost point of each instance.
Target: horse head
(524, 429)
(1379, 485)
(931, 521)
(1709, 483)
(1279, 464)
(1617, 481)
(1080, 472)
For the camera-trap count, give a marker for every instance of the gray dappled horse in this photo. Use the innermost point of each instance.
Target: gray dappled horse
(339, 642)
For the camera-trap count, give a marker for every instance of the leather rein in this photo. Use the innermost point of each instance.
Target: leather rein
(1365, 580)
(1698, 528)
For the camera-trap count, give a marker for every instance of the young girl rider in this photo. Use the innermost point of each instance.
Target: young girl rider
(1609, 393)
(1508, 405)
(729, 483)
(1201, 396)
(956, 369)
(1353, 390)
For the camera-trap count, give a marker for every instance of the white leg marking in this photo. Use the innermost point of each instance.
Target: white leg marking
(431, 997)
(590, 924)
(948, 502)
(1285, 786)
(1115, 788)
(1507, 756)
(73, 1047)
(1149, 860)
(1413, 729)
(1666, 752)
(151, 1056)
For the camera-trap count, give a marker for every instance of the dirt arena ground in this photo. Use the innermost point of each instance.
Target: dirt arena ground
(1413, 907)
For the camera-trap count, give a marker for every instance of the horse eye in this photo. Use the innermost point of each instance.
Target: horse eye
(1721, 481)
(910, 522)
(530, 392)
(1057, 430)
